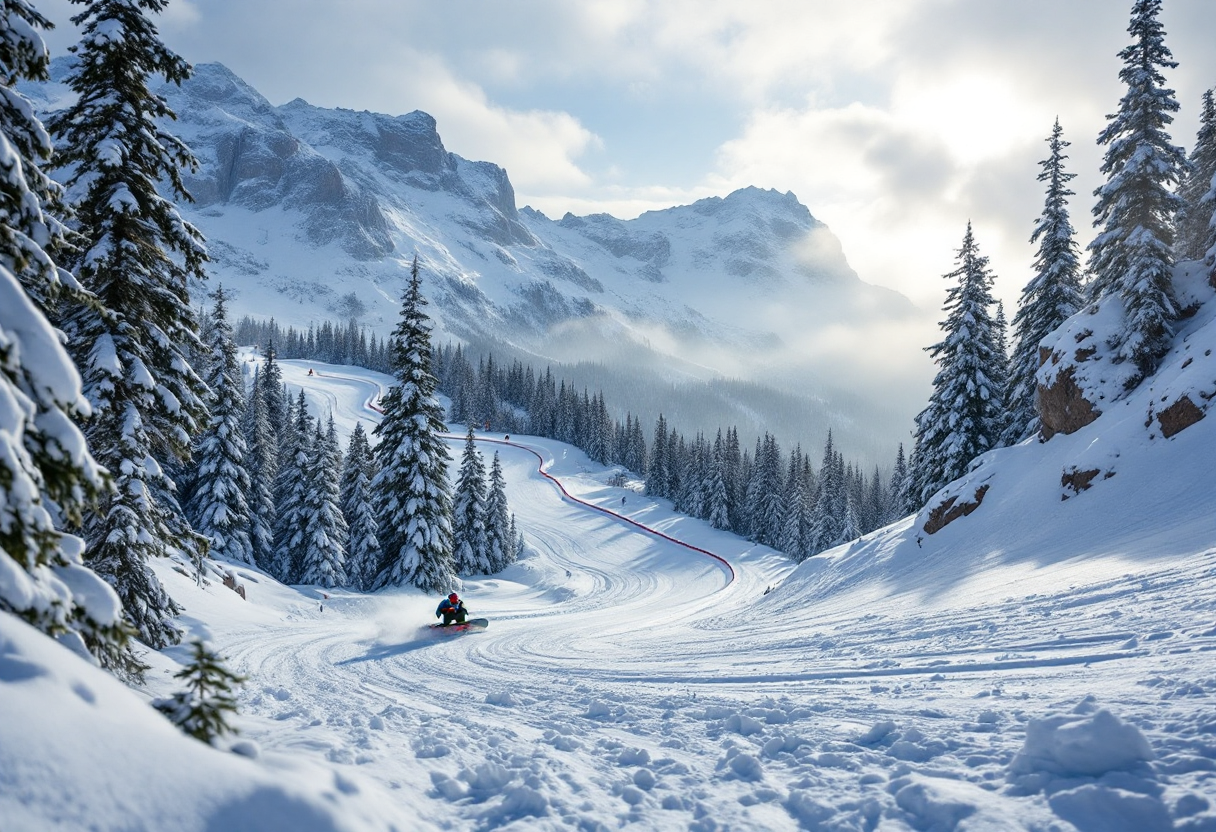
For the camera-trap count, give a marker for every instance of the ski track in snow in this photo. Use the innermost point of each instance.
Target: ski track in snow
(624, 679)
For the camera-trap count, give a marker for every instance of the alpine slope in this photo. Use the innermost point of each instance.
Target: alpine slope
(642, 670)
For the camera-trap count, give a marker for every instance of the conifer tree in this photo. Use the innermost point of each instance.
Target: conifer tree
(32, 234)
(794, 533)
(765, 492)
(736, 478)
(851, 528)
(875, 512)
(137, 255)
(899, 502)
(470, 543)
(323, 557)
(963, 417)
(1052, 295)
(203, 709)
(657, 479)
(1196, 234)
(291, 495)
(363, 548)
(1000, 377)
(219, 503)
(827, 521)
(1131, 257)
(47, 473)
(501, 545)
(413, 496)
(276, 398)
(263, 465)
(717, 499)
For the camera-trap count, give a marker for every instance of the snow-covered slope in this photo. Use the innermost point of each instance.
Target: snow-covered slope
(1039, 664)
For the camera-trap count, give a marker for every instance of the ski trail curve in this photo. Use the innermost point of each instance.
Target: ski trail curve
(370, 405)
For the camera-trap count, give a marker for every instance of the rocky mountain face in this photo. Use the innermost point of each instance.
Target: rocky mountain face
(313, 214)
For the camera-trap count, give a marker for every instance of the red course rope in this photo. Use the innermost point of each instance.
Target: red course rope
(540, 468)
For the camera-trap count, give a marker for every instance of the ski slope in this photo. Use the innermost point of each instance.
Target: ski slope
(628, 680)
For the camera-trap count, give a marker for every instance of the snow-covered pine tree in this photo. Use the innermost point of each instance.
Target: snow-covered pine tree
(657, 476)
(826, 521)
(413, 496)
(851, 528)
(716, 496)
(1196, 234)
(1000, 335)
(501, 545)
(47, 473)
(363, 546)
(963, 417)
(276, 396)
(766, 496)
(219, 501)
(203, 708)
(1131, 257)
(750, 505)
(875, 510)
(898, 503)
(693, 472)
(470, 553)
(793, 530)
(736, 478)
(1051, 296)
(262, 462)
(323, 558)
(291, 495)
(137, 255)
(31, 232)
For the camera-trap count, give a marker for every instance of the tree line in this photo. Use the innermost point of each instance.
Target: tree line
(764, 495)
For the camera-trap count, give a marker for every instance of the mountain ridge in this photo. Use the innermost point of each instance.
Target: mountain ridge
(313, 214)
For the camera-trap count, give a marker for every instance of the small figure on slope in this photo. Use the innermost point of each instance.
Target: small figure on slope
(452, 609)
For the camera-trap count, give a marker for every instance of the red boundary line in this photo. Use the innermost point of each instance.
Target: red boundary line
(540, 469)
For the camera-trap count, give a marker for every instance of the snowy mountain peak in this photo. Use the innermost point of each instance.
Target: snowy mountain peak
(313, 213)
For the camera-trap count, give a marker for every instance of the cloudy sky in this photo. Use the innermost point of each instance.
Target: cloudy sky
(894, 121)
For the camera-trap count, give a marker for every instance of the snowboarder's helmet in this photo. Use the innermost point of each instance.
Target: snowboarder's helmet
(453, 598)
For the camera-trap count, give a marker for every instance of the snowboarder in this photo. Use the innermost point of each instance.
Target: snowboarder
(310, 372)
(452, 609)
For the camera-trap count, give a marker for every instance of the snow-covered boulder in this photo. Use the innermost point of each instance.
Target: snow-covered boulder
(1081, 746)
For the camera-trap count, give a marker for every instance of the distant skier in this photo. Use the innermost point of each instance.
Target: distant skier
(310, 372)
(452, 609)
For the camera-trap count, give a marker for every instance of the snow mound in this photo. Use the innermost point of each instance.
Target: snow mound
(1085, 746)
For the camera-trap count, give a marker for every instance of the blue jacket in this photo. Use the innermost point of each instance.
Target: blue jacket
(445, 605)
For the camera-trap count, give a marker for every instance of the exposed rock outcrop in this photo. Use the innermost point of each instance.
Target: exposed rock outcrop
(1062, 405)
(1075, 481)
(947, 512)
(1179, 416)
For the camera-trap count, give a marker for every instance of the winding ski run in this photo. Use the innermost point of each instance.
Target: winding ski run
(626, 675)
